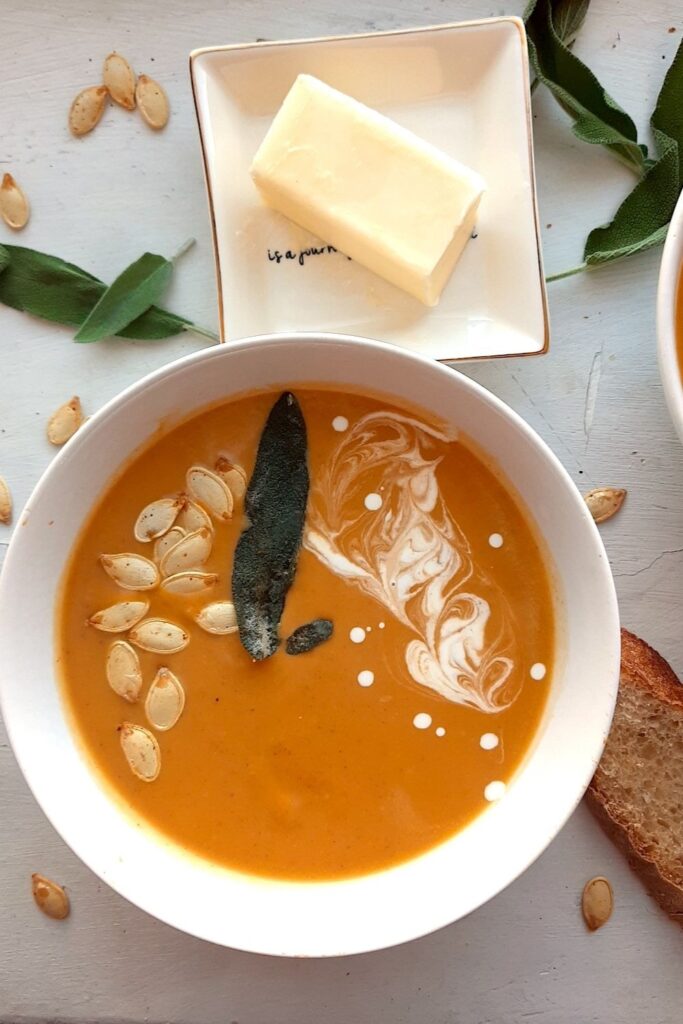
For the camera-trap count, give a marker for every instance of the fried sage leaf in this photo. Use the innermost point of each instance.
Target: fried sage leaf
(305, 638)
(275, 506)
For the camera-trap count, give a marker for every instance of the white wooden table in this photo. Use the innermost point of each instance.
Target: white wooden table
(596, 399)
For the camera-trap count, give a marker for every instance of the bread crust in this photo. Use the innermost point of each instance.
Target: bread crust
(642, 668)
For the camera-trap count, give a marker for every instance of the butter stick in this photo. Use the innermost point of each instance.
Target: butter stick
(374, 190)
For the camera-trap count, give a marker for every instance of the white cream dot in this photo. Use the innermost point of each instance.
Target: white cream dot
(381, 625)
(373, 501)
(496, 540)
(368, 629)
(440, 731)
(366, 677)
(357, 635)
(422, 720)
(538, 670)
(340, 424)
(494, 790)
(489, 741)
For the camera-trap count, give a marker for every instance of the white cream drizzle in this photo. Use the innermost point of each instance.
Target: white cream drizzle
(413, 558)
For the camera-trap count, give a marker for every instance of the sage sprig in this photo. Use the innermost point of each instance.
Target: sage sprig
(598, 119)
(52, 289)
(642, 219)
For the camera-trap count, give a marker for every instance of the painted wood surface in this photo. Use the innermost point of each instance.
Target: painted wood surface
(596, 399)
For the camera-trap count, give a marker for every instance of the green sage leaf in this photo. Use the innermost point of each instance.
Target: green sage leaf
(642, 220)
(48, 287)
(156, 324)
(668, 113)
(598, 119)
(52, 289)
(128, 297)
(4, 258)
(568, 17)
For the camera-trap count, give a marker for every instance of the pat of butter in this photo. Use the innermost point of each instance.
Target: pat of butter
(369, 187)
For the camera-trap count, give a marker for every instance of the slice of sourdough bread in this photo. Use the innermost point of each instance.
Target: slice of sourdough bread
(637, 790)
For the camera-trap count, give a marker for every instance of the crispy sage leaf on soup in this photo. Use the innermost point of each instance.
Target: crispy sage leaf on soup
(275, 506)
(305, 638)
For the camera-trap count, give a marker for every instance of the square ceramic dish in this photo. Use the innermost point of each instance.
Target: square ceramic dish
(464, 88)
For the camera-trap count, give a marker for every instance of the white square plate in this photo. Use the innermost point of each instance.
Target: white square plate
(464, 88)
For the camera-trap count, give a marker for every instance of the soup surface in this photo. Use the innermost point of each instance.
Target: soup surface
(679, 324)
(389, 736)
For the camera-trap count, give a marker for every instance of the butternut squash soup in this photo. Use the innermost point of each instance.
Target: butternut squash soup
(679, 324)
(307, 634)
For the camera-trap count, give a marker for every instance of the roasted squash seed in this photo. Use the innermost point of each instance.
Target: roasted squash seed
(118, 618)
(218, 617)
(597, 902)
(141, 751)
(65, 421)
(131, 571)
(14, 207)
(165, 700)
(190, 552)
(119, 78)
(604, 502)
(5, 502)
(157, 518)
(50, 897)
(87, 109)
(152, 102)
(123, 671)
(159, 636)
(211, 490)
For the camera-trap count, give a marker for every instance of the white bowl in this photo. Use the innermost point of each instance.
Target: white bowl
(322, 918)
(669, 273)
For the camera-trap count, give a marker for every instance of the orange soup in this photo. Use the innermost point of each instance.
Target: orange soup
(325, 675)
(679, 324)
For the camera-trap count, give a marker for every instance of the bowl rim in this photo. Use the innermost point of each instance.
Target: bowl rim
(670, 271)
(592, 741)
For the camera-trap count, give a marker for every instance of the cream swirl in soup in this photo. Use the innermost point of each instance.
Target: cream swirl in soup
(378, 519)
